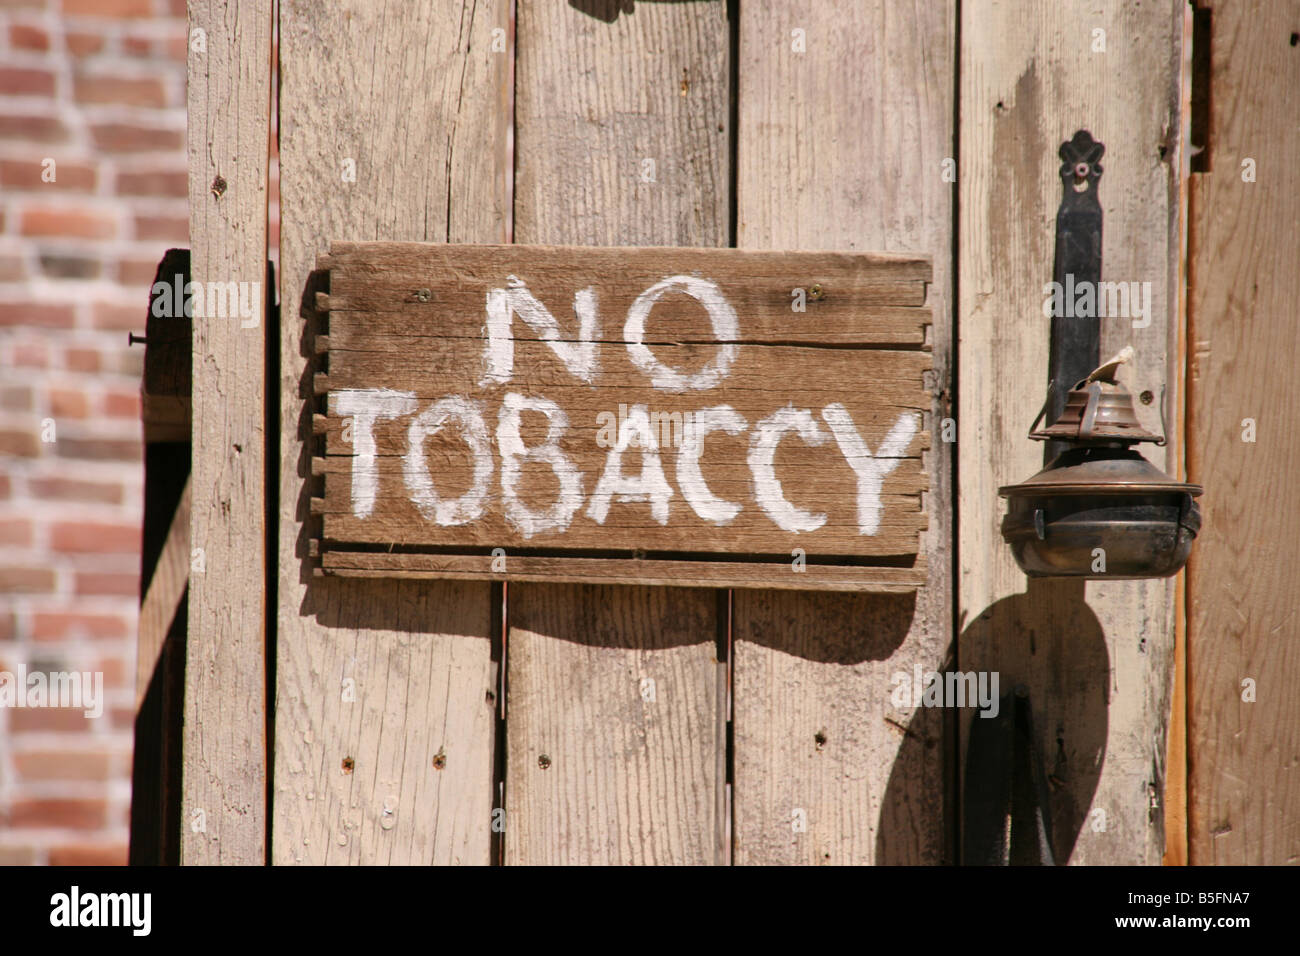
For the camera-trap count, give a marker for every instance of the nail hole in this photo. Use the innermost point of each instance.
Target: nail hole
(1146, 398)
(440, 759)
(218, 187)
(543, 761)
(348, 764)
(820, 739)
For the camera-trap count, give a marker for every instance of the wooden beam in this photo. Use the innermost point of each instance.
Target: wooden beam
(845, 125)
(1097, 659)
(622, 140)
(1243, 627)
(394, 126)
(224, 807)
(166, 589)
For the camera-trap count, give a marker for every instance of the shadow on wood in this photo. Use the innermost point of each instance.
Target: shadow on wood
(1050, 641)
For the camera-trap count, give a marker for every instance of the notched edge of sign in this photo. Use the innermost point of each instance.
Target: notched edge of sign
(334, 559)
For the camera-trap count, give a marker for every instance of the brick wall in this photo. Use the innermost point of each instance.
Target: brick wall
(98, 88)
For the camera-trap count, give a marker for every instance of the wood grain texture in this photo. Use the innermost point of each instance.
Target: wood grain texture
(446, 354)
(613, 570)
(628, 780)
(163, 598)
(1175, 799)
(224, 811)
(1097, 660)
(385, 714)
(841, 146)
(1244, 798)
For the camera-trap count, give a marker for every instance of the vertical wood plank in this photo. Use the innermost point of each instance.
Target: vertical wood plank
(622, 116)
(224, 778)
(1175, 798)
(1096, 658)
(384, 698)
(846, 118)
(1244, 799)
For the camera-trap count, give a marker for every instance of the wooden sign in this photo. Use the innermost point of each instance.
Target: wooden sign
(680, 416)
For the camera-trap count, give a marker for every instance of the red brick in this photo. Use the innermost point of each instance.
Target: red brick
(4, 493)
(63, 765)
(44, 129)
(122, 404)
(115, 672)
(43, 314)
(81, 360)
(19, 81)
(132, 138)
(54, 221)
(23, 37)
(68, 403)
(75, 489)
(71, 814)
(108, 8)
(170, 228)
(177, 48)
(17, 174)
(107, 315)
(121, 718)
(8, 628)
(35, 719)
(126, 585)
(137, 272)
(17, 856)
(100, 449)
(84, 44)
(136, 46)
(172, 183)
(21, 444)
(12, 268)
(56, 265)
(65, 625)
(26, 580)
(89, 855)
(120, 90)
(95, 537)
(125, 361)
(31, 355)
(16, 531)
(16, 398)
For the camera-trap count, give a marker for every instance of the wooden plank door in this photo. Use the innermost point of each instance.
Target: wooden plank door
(1095, 658)
(224, 813)
(394, 125)
(1244, 331)
(615, 721)
(845, 141)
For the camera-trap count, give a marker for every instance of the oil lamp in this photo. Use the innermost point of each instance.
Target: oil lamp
(1098, 509)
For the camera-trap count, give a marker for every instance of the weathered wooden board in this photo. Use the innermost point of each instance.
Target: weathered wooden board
(395, 122)
(1244, 574)
(223, 817)
(559, 398)
(846, 122)
(1096, 659)
(620, 687)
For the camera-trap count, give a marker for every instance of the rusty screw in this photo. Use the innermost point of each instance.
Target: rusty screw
(543, 761)
(424, 295)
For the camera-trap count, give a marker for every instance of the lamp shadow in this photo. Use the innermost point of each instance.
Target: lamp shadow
(1050, 642)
